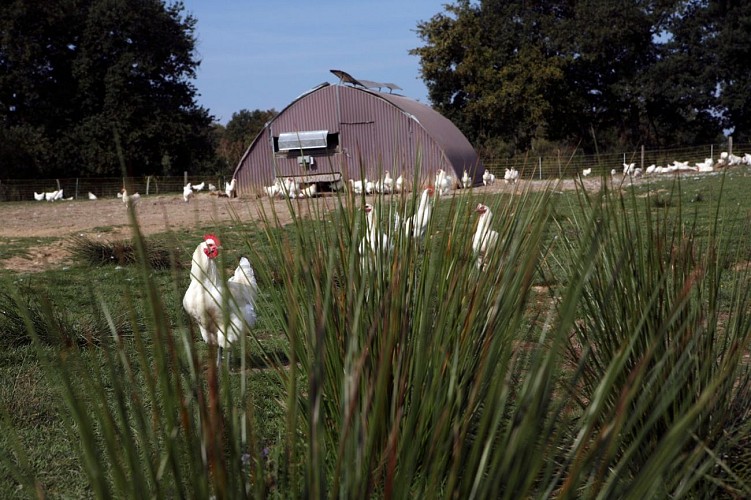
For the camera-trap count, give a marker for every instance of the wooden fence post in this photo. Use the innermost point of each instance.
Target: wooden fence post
(642, 157)
(539, 162)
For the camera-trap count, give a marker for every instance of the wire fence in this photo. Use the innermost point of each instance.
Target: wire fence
(102, 187)
(548, 166)
(570, 164)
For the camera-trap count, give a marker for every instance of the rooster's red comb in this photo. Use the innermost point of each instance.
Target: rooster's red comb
(213, 237)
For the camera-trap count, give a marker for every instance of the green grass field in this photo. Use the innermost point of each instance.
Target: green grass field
(601, 353)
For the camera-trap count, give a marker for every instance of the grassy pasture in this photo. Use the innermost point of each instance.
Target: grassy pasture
(603, 353)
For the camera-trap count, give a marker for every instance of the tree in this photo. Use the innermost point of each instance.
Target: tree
(240, 131)
(728, 33)
(491, 70)
(588, 73)
(101, 83)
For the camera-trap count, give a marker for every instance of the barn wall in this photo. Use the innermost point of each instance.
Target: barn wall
(375, 135)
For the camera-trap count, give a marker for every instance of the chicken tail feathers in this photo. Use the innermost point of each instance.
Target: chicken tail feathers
(244, 274)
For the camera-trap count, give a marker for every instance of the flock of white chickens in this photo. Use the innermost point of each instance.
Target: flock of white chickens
(289, 187)
(189, 191)
(677, 167)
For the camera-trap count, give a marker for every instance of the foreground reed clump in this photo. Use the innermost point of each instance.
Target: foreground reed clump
(598, 353)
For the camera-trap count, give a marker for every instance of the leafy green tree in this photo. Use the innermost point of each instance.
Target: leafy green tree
(101, 83)
(490, 68)
(513, 73)
(240, 131)
(728, 33)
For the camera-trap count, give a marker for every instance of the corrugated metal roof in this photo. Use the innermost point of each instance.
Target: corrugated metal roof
(370, 132)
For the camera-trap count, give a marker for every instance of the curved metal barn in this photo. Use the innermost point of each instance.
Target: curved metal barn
(344, 131)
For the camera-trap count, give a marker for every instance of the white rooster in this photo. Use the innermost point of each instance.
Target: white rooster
(417, 224)
(223, 311)
(485, 239)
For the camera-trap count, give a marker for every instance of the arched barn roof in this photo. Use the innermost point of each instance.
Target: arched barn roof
(334, 132)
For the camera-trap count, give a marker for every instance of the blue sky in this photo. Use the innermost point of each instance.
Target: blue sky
(263, 54)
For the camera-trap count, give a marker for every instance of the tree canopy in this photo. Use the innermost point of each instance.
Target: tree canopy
(240, 131)
(88, 87)
(591, 73)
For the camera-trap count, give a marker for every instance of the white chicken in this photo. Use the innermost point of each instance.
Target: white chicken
(373, 241)
(309, 192)
(485, 238)
(398, 184)
(466, 180)
(443, 182)
(212, 188)
(229, 188)
(130, 200)
(291, 188)
(92, 196)
(273, 190)
(417, 224)
(586, 172)
(187, 192)
(388, 182)
(223, 310)
(199, 187)
(488, 178)
(39, 196)
(357, 187)
(511, 175)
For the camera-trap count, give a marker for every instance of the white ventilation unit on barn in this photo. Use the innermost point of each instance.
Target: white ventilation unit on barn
(309, 139)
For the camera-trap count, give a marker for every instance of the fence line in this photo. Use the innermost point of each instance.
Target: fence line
(560, 164)
(101, 187)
